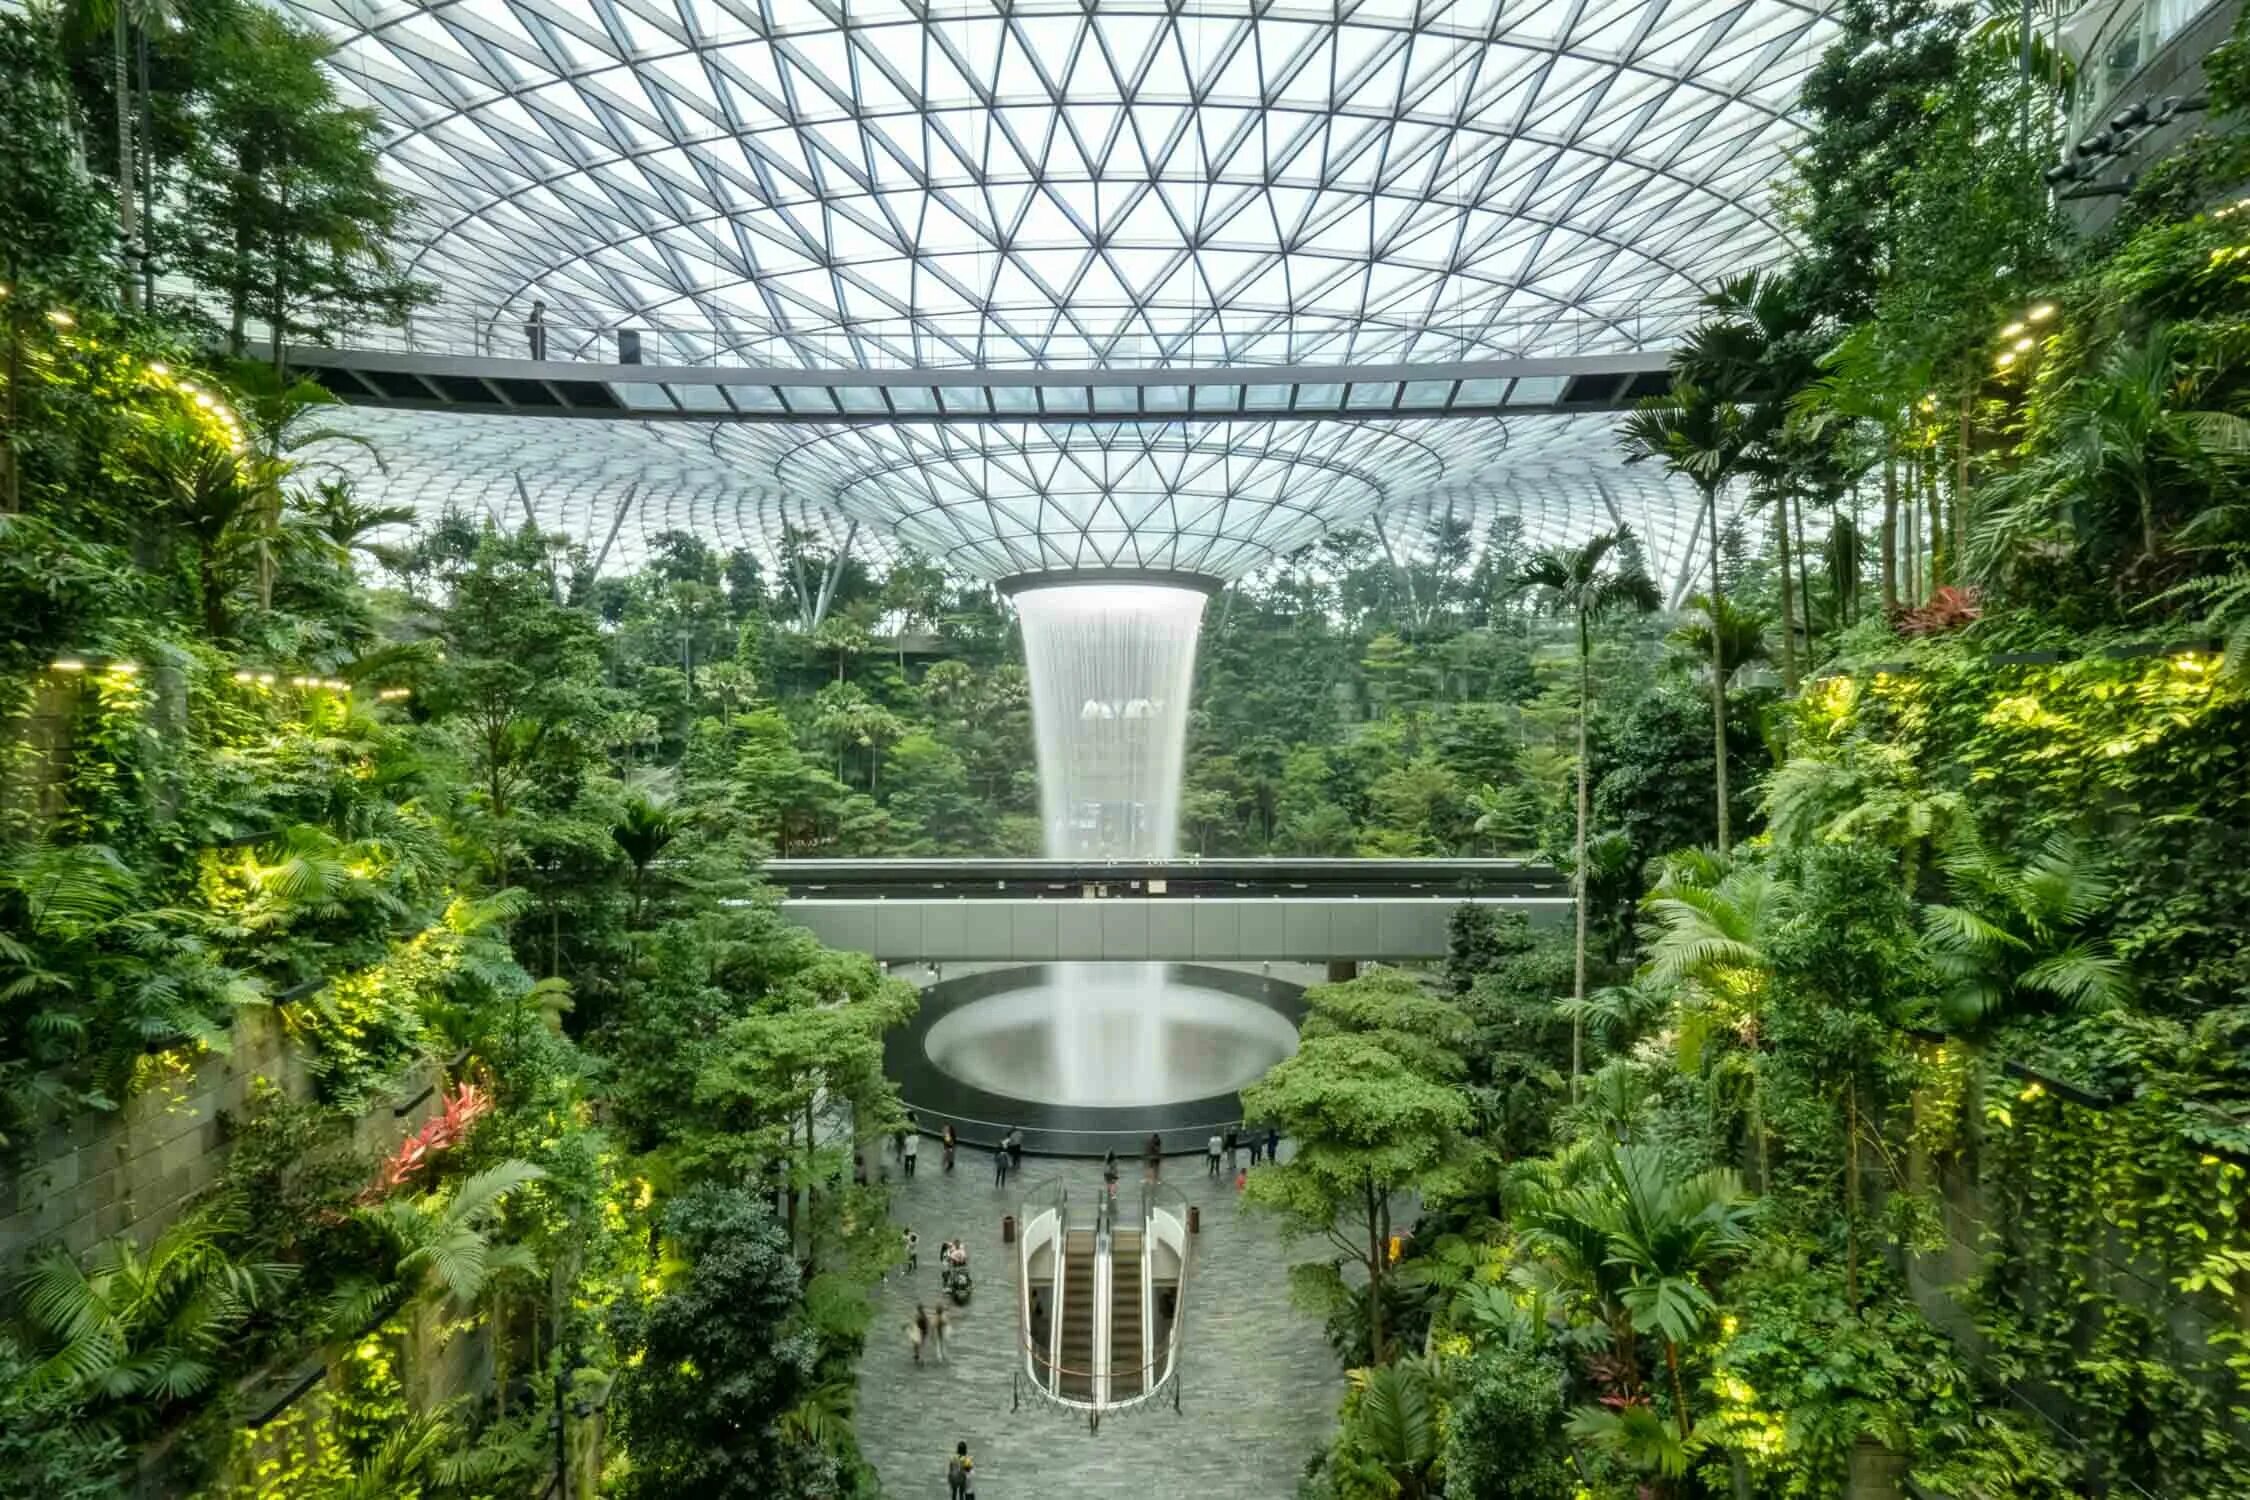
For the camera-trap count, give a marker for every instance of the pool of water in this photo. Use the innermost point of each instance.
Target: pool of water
(1109, 1035)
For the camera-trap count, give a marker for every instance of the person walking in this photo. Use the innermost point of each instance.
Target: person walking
(1000, 1165)
(937, 1332)
(535, 329)
(910, 1148)
(1015, 1150)
(949, 1145)
(1273, 1147)
(958, 1470)
(918, 1330)
(1155, 1155)
(1233, 1144)
(1211, 1156)
(913, 1245)
(1109, 1171)
(1257, 1145)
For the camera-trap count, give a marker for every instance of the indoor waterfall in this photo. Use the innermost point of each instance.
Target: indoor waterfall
(1111, 666)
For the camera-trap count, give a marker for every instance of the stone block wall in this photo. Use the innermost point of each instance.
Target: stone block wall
(136, 1169)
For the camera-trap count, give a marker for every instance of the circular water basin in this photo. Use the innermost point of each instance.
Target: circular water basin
(1109, 1036)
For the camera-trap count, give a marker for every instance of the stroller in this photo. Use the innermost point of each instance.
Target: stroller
(953, 1276)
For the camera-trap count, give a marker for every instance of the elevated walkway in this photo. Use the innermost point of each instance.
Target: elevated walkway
(1182, 911)
(1100, 1283)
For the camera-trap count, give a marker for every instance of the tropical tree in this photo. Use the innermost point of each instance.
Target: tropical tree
(1371, 1100)
(1587, 583)
(1699, 434)
(644, 829)
(718, 1357)
(1641, 1246)
(135, 1330)
(217, 498)
(440, 1247)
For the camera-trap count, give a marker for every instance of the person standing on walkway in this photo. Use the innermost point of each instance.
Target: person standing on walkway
(913, 1245)
(1000, 1165)
(1015, 1150)
(949, 1145)
(1273, 1147)
(1234, 1141)
(958, 1469)
(535, 329)
(1109, 1171)
(1155, 1154)
(1211, 1156)
(909, 1149)
(937, 1332)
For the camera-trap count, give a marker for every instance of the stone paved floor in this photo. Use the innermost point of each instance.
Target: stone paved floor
(1259, 1385)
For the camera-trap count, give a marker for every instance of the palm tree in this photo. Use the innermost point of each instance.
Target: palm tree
(126, 20)
(2015, 940)
(138, 1328)
(1642, 1245)
(645, 828)
(1698, 434)
(338, 517)
(1731, 638)
(1391, 1433)
(1747, 352)
(211, 494)
(1584, 584)
(1712, 919)
(443, 1248)
(275, 408)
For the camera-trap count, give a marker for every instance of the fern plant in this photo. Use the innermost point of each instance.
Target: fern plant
(131, 1330)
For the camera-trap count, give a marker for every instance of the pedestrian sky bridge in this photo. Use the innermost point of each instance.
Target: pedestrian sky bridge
(1186, 910)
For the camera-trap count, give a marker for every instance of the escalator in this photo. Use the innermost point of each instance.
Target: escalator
(1075, 1378)
(1127, 1351)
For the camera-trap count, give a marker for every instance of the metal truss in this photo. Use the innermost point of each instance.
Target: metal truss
(1034, 184)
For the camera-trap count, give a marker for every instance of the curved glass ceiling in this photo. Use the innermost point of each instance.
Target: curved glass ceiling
(1038, 183)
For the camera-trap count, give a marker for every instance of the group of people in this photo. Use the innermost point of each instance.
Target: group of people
(1227, 1145)
(930, 1325)
(906, 1145)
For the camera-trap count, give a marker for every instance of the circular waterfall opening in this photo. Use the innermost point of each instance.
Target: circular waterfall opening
(1088, 1056)
(1110, 1036)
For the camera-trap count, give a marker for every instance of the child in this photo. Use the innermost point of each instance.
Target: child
(913, 1241)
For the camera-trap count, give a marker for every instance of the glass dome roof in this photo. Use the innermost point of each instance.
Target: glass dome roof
(1076, 185)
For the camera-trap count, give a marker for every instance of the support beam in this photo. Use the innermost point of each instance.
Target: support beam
(623, 506)
(1683, 580)
(835, 571)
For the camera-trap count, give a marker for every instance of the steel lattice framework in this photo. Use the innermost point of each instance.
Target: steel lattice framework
(1082, 184)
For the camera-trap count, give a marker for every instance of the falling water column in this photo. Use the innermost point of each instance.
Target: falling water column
(1111, 665)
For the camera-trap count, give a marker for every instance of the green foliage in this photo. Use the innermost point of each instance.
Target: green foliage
(717, 1358)
(133, 1331)
(1504, 1428)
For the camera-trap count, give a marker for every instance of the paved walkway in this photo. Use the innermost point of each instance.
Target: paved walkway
(1259, 1385)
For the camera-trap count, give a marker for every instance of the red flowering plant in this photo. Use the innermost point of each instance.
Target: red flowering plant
(1948, 608)
(443, 1131)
